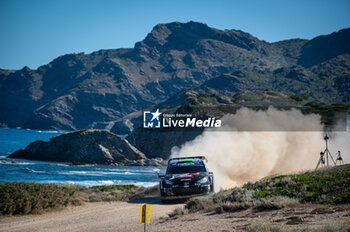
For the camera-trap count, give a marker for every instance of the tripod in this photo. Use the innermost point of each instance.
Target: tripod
(339, 158)
(325, 154)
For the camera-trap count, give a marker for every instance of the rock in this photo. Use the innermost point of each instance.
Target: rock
(86, 147)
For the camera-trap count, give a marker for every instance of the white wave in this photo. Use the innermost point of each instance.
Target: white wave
(133, 171)
(146, 184)
(89, 183)
(94, 173)
(11, 162)
(129, 173)
(58, 164)
(24, 163)
(50, 131)
(32, 170)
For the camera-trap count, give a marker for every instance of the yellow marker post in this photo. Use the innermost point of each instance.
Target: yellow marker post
(145, 214)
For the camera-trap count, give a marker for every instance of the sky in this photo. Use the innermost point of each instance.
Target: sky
(34, 32)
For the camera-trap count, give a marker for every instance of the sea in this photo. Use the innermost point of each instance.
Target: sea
(22, 170)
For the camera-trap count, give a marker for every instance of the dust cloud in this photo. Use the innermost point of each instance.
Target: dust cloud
(255, 144)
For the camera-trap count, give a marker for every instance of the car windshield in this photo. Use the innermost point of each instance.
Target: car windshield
(185, 168)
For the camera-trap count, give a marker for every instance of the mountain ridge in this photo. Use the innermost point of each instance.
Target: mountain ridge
(75, 91)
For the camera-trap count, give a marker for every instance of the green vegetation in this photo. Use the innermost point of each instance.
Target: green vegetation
(33, 198)
(327, 111)
(24, 198)
(323, 186)
(202, 103)
(209, 100)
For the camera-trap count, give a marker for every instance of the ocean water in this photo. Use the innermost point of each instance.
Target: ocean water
(59, 173)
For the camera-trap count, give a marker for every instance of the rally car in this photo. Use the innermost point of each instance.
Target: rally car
(186, 177)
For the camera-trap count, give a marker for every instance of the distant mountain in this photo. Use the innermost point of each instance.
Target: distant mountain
(323, 48)
(98, 90)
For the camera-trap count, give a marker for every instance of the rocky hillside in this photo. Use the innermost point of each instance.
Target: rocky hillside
(86, 147)
(96, 90)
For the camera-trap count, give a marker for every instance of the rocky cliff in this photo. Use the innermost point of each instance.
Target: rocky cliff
(86, 147)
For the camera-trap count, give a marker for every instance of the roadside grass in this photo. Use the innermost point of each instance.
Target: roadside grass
(234, 200)
(323, 186)
(335, 227)
(34, 198)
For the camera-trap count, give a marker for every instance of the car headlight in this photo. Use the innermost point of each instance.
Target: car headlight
(203, 180)
(168, 182)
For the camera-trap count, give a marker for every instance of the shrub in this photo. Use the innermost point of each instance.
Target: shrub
(24, 198)
(32, 198)
(177, 211)
(296, 98)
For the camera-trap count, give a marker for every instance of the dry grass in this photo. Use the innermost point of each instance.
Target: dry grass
(236, 199)
(335, 227)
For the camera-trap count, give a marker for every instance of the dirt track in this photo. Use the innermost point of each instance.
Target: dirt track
(101, 216)
(123, 216)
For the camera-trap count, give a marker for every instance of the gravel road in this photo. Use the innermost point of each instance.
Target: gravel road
(99, 216)
(124, 216)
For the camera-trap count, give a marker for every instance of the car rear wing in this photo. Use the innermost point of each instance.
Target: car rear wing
(190, 157)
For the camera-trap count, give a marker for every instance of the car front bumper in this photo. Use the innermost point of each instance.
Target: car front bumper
(179, 192)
